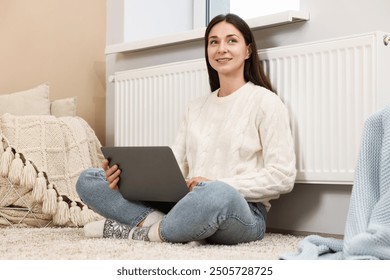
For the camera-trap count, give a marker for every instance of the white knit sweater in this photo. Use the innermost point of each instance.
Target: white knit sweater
(243, 139)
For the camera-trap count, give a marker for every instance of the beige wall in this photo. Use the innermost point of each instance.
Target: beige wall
(60, 42)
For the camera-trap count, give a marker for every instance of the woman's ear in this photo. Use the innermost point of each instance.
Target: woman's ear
(248, 51)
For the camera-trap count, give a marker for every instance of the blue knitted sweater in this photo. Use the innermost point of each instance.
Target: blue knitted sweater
(367, 230)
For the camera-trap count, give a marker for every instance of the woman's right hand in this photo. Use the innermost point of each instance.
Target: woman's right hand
(112, 174)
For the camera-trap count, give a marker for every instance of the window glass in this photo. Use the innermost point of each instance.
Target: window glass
(256, 8)
(149, 19)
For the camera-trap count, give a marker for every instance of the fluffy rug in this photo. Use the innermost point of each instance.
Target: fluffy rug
(70, 244)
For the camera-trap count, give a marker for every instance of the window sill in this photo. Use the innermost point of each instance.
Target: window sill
(255, 23)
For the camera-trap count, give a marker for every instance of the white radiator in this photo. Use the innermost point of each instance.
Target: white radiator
(150, 102)
(330, 87)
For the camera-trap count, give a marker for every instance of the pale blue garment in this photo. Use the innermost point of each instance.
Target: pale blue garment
(367, 231)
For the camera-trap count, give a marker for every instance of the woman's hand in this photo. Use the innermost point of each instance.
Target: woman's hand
(192, 182)
(112, 174)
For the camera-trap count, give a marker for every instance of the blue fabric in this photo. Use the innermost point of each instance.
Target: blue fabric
(92, 187)
(367, 229)
(216, 212)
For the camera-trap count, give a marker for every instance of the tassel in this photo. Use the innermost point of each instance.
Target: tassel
(5, 163)
(29, 176)
(87, 215)
(75, 214)
(40, 188)
(16, 169)
(61, 217)
(50, 201)
(1, 146)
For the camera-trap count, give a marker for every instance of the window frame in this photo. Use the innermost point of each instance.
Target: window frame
(199, 23)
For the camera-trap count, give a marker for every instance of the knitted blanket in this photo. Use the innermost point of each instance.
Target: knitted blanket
(41, 158)
(367, 231)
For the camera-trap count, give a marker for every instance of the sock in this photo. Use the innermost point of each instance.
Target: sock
(113, 229)
(151, 233)
(107, 228)
(152, 218)
(154, 232)
(94, 229)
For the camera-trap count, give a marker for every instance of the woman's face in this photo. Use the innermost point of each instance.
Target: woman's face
(227, 50)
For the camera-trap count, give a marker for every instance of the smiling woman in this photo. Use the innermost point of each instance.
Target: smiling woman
(234, 145)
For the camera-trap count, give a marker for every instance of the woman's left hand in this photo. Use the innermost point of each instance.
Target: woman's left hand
(192, 182)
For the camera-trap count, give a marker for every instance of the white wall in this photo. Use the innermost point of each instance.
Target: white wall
(311, 208)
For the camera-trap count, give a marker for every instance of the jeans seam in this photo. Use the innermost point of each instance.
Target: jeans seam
(162, 235)
(143, 216)
(260, 215)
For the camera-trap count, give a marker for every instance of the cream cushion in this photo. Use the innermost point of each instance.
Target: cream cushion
(64, 107)
(33, 101)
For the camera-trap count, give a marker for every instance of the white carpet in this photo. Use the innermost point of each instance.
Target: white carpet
(70, 244)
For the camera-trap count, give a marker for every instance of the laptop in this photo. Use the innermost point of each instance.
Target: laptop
(148, 173)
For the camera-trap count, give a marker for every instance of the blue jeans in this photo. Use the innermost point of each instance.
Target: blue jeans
(213, 211)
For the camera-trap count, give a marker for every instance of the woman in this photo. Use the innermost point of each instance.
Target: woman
(234, 144)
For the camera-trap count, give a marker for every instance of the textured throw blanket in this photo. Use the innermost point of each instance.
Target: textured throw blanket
(367, 231)
(41, 158)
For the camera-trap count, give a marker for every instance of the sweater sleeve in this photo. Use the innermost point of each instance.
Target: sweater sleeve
(179, 146)
(276, 174)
